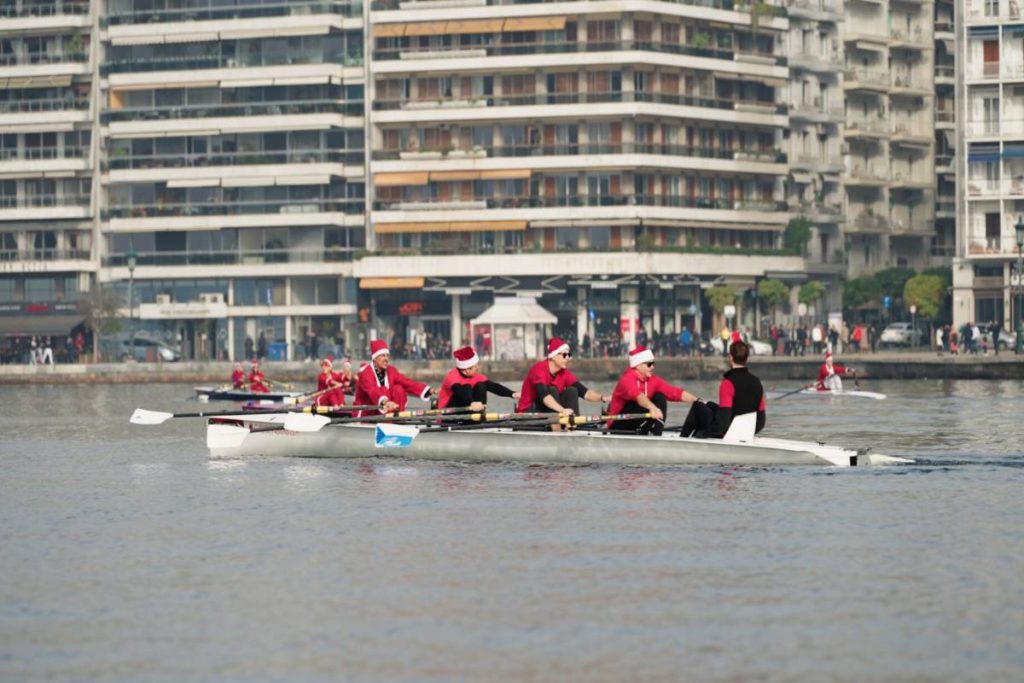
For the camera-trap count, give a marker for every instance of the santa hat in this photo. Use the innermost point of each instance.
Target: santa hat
(465, 358)
(254, 361)
(347, 361)
(377, 347)
(828, 355)
(328, 360)
(556, 346)
(640, 354)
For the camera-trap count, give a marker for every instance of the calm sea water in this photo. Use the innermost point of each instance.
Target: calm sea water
(129, 555)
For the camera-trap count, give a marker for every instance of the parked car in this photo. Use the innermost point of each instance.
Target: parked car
(144, 349)
(1007, 340)
(757, 347)
(900, 334)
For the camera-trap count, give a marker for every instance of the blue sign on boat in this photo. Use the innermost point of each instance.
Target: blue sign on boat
(394, 436)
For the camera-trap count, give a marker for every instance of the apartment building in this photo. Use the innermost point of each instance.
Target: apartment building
(816, 142)
(944, 244)
(234, 168)
(890, 181)
(46, 149)
(595, 155)
(992, 114)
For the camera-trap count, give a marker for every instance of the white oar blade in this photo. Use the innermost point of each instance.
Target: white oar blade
(149, 417)
(290, 400)
(304, 422)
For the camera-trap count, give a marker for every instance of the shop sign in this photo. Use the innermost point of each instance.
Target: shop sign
(411, 308)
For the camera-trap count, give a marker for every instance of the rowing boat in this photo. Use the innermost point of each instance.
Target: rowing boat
(264, 435)
(222, 394)
(825, 392)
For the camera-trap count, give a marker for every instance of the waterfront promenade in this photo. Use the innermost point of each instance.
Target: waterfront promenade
(883, 365)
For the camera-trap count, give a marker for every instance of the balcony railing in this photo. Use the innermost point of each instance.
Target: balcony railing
(35, 59)
(44, 201)
(578, 200)
(201, 111)
(204, 12)
(944, 27)
(982, 188)
(43, 153)
(139, 161)
(236, 208)
(39, 105)
(867, 77)
(574, 149)
(991, 128)
(45, 9)
(945, 70)
(710, 4)
(549, 47)
(194, 62)
(45, 255)
(234, 257)
(875, 126)
(534, 99)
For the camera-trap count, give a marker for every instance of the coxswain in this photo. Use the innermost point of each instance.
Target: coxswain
(329, 382)
(466, 387)
(381, 384)
(550, 387)
(238, 377)
(346, 377)
(258, 383)
(641, 391)
(739, 393)
(830, 375)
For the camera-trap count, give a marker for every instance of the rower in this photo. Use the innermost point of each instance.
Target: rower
(258, 382)
(238, 377)
(330, 382)
(550, 387)
(830, 375)
(380, 383)
(641, 391)
(739, 393)
(466, 387)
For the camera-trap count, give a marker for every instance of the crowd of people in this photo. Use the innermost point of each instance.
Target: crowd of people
(43, 350)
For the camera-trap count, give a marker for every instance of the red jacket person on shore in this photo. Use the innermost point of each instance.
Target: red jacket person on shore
(381, 384)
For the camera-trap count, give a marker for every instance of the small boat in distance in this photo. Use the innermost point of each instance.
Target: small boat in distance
(811, 391)
(228, 394)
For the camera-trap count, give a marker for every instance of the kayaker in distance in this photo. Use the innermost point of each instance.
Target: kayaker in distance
(466, 387)
(739, 393)
(639, 390)
(550, 387)
(830, 374)
(238, 377)
(380, 383)
(258, 383)
(329, 379)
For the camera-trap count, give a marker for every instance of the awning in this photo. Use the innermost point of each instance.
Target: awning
(474, 26)
(983, 32)
(391, 283)
(802, 178)
(507, 174)
(1013, 150)
(400, 179)
(535, 24)
(447, 226)
(38, 325)
(516, 311)
(1013, 28)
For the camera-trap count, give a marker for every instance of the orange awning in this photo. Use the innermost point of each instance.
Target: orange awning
(535, 24)
(483, 226)
(506, 174)
(427, 28)
(388, 30)
(444, 176)
(400, 179)
(442, 226)
(391, 283)
(475, 26)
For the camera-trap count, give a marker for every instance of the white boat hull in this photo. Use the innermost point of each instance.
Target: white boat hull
(230, 438)
(829, 394)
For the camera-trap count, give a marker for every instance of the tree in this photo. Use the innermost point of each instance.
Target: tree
(927, 292)
(102, 315)
(861, 290)
(720, 296)
(773, 293)
(810, 292)
(891, 281)
(797, 235)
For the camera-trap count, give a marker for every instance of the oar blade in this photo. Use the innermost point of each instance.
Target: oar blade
(149, 417)
(304, 422)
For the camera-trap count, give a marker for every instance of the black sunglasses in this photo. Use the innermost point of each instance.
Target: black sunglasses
(566, 355)
(649, 363)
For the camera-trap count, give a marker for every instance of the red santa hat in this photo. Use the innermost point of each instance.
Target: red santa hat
(254, 361)
(640, 354)
(556, 346)
(828, 355)
(465, 358)
(328, 360)
(377, 347)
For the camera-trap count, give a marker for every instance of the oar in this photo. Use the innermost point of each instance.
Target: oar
(288, 386)
(298, 422)
(142, 416)
(307, 397)
(795, 391)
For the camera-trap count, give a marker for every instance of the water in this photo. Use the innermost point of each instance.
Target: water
(128, 555)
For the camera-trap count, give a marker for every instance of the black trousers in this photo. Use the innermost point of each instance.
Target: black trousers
(643, 425)
(570, 398)
(700, 421)
(464, 394)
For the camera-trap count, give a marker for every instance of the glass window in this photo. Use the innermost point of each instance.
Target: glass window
(40, 289)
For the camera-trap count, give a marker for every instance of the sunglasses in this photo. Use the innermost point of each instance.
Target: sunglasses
(649, 364)
(565, 355)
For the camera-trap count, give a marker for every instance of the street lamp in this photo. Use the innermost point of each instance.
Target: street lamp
(130, 260)
(1019, 227)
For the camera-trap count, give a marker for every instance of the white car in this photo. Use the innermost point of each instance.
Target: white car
(757, 347)
(900, 334)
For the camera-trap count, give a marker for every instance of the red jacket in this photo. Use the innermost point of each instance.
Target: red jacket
(539, 374)
(238, 379)
(395, 387)
(631, 385)
(258, 383)
(454, 376)
(824, 373)
(334, 397)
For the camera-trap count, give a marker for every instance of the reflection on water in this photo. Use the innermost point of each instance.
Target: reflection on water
(125, 547)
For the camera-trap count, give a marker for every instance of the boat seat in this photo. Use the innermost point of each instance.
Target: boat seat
(742, 429)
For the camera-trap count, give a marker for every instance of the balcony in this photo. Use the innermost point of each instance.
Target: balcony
(993, 128)
(909, 181)
(986, 71)
(196, 62)
(55, 257)
(945, 74)
(820, 212)
(119, 162)
(945, 119)
(53, 17)
(868, 223)
(944, 164)
(250, 109)
(903, 226)
(945, 30)
(35, 106)
(867, 176)
(49, 207)
(816, 62)
(986, 12)
(918, 136)
(204, 12)
(868, 129)
(866, 79)
(817, 10)
(236, 208)
(234, 257)
(580, 200)
(908, 85)
(916, 39)
(984, 188)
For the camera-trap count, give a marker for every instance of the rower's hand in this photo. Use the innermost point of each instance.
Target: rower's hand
(390, 407)
(566, 412)
(656, 413)
(476, 406)
(516, 395)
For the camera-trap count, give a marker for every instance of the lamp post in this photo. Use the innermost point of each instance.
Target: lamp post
(130, 261)
(1019, 227)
